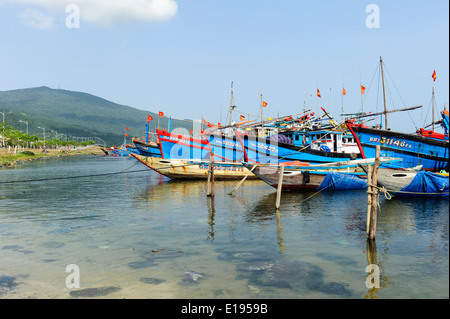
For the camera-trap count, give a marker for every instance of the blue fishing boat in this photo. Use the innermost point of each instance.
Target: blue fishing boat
(318, 147)
(131, 149)
(322, 146)
(147, 149)
(414, 149)
(437, 135)
(177, 146)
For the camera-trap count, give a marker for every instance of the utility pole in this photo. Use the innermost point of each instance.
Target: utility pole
(27, 128)
(3, 133)
(43, 128)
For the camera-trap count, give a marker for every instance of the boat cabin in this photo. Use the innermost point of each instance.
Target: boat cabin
(330, 141)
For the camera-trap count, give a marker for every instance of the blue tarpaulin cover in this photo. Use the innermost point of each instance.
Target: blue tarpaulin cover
(335, 181)
(428, 183)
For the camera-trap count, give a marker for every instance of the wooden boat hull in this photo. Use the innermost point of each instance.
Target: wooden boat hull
(309, 179)
(303, 177)
(194, 169)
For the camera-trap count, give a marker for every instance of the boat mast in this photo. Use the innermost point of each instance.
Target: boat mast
(232, 107)
(432, 98)
(262, 117)
(384, 96)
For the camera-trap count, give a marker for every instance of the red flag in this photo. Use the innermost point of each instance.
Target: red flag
(343, 91)
(161, 113)
(264, 104)
(362, 90)
(126, 134)
(434, 76)
(128, 129)
(318, 93)
(242, 118)
(149, 118)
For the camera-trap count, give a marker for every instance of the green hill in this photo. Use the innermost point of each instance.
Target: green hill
(67, 114)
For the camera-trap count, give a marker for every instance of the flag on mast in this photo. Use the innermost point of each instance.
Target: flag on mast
(362, 90)
(434, 76)
(344, 91)
(318, 93)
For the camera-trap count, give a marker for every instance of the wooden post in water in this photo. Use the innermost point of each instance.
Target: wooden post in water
(210, 183)
(280, 186)
(373, 212)
(369, 196)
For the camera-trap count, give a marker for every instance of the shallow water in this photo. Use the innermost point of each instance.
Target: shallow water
(140, 235)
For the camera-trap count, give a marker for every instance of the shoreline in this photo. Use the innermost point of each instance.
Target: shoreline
(11, 160)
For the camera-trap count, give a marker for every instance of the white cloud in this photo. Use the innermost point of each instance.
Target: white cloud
(36, 19)
(111, 12)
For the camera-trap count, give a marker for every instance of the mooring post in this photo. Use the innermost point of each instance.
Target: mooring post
(280, 186)
(210, 183)
(369, 196)
(373, 221)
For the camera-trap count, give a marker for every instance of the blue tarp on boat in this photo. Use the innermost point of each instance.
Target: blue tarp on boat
(426, 183)
(336, 181)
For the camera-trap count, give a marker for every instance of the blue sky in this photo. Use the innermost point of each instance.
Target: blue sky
(180, 56)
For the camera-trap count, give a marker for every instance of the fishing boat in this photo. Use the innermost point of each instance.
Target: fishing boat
(414, 149)
(250, 148)
(194, 169)
(432, 133)
(300, 176)
(413, 182)
(131, 149)
(147, 149)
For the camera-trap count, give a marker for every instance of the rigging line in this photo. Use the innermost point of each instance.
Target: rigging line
(322, 190)
(368, 88)
(399, 96)
(73, 177)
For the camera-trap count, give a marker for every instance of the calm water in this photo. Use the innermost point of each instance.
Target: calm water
(140, 235)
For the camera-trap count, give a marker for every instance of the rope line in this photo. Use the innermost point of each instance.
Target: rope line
(73, 177)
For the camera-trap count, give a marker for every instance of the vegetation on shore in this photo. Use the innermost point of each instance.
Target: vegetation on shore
(10, 160)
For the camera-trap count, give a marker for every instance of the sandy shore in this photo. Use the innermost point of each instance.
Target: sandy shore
(9, 159)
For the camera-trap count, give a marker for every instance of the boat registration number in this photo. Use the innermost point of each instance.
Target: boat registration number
(390, 141)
